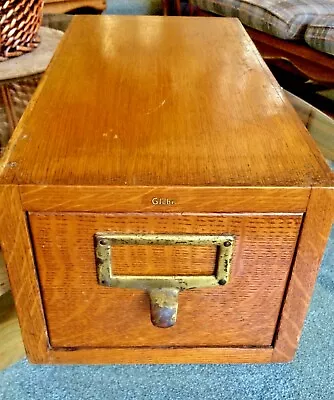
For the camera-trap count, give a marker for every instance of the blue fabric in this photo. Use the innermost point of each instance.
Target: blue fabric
(320, 34)
(133, 7)
(286, 19)
(310, 376)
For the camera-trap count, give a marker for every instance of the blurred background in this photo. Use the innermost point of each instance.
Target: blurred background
(133, 7)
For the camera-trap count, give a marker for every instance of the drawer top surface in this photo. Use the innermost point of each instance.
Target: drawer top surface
(164, 101)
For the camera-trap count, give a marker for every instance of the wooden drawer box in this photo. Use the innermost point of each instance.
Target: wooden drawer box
(241, 313)
(165, 204)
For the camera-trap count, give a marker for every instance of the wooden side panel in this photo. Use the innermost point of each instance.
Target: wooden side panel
(316, 227)
(21, 270)
(81, 313)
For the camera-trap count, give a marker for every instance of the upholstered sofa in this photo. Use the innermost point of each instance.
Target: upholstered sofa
(297, 31)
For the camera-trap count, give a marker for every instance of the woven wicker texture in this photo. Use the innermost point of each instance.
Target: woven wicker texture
(20, 93)
(14, 98)
(19, 23)
(5, 131)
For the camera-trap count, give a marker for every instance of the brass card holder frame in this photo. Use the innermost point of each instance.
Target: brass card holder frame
(163, 290)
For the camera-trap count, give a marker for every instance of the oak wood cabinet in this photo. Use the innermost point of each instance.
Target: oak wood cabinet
(168, 204)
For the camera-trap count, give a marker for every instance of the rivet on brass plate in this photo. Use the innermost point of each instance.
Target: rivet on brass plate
(163, 290)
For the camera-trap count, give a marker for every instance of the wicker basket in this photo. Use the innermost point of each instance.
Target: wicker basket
(19, 23)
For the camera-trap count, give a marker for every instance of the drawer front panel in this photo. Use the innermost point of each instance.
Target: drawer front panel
(82, 313)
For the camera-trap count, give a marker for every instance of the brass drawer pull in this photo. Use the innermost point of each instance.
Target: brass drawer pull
(163, 290)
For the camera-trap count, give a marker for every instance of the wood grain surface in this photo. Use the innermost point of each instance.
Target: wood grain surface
(81, 313)
(316, 228)
(163, 260)
(186, 199)
(162, 104)
(156, 109)
(15, 243)
(160, 356)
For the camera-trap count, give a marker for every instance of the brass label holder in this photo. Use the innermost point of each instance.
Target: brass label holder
(163, 290)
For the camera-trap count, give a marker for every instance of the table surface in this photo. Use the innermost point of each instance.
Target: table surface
(168, 105)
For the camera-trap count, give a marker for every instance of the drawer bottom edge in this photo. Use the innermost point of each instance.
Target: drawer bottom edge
(201, 355)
